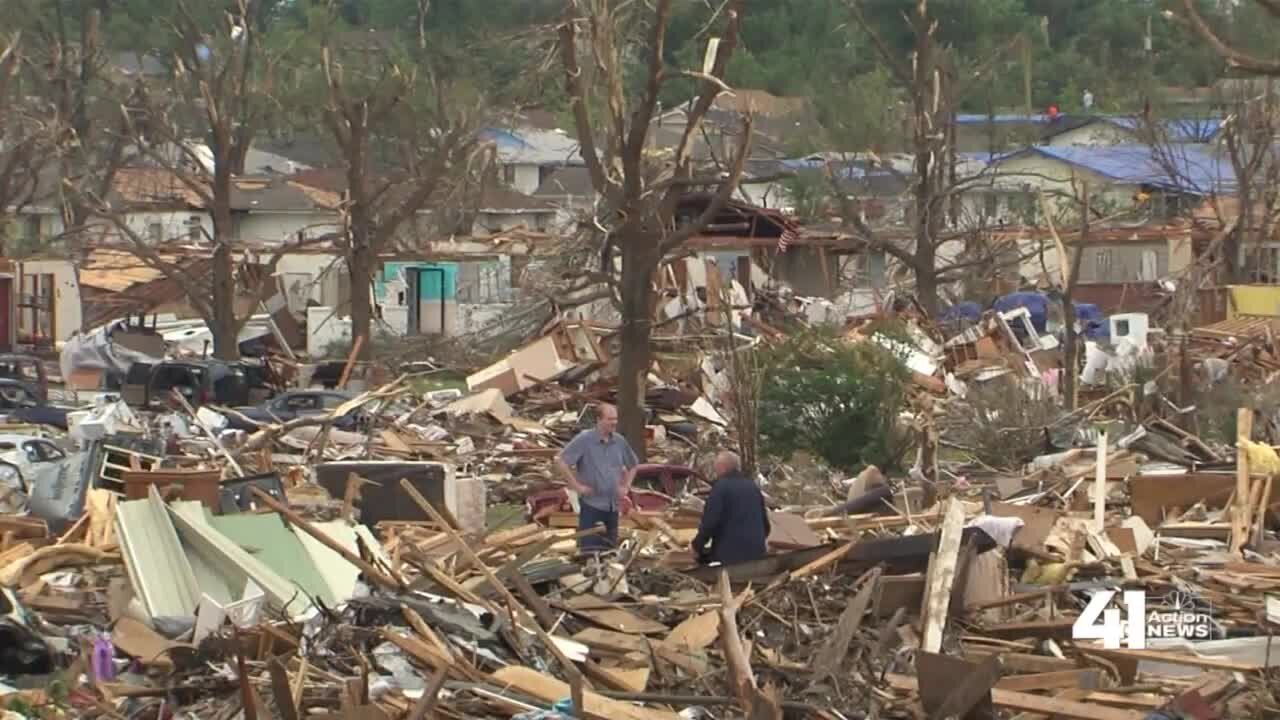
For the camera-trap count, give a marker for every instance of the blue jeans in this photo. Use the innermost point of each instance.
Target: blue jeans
(589, 517)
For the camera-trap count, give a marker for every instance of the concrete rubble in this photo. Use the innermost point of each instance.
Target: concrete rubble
(409, 552)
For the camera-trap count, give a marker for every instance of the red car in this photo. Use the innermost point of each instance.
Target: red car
(652, 491)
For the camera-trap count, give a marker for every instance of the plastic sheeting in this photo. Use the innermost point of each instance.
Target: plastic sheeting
(99, 350)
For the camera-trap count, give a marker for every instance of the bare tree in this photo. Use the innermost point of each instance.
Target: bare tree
(406, 145)
(26, 136)
(929, 81)
(199, 127)
(1236, 59)
(69, 72)
(639, 191)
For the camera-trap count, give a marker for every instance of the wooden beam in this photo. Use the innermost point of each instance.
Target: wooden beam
(1026, 702)
(1100, 485)
(967, 694)
(1240, 511)
(1055, 680)
(351, 361)
(1171, 658)
(571, 670)
(941, 574)
(1025, 662)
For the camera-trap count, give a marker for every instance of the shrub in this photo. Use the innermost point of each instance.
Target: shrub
(835, 399)
(1005, 422)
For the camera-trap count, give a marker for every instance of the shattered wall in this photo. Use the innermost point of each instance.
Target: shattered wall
(432, 310)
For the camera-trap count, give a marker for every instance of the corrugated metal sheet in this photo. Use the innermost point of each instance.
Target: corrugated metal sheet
(157, 564)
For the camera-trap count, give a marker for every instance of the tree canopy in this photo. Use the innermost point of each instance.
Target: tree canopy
(792, 47)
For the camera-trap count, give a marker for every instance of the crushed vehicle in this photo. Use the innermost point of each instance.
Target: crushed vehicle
(27, 369)
(292, 405)
(654, 488)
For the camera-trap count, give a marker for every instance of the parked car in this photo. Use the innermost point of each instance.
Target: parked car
(24, 461)
(652, 490)
(295, 404)
(27, 369)
(201, 382)
(19, 402)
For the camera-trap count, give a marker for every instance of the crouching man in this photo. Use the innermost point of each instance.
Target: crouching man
(735, 521)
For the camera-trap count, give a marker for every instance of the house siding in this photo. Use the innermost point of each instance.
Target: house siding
(274, 229)
(1095, 133)
(1127, 263)
(67, 308)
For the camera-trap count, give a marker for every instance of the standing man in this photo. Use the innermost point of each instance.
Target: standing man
(599, 466)
(735, 520)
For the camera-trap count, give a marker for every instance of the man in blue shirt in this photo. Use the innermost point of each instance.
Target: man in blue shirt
(735, 520)
(599, 466)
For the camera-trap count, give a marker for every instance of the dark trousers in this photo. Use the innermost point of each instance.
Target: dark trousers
(589, 517)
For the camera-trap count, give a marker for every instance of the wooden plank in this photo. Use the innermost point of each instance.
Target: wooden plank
(941, 574)
(1051, 680)
(1038, 523)
(696, 632)
(790, 532)
(824, 561)
(1025, 662)
(1100, 485)
(832, 654)
(1026, 702)
(967, 694)
(898, 591)
(1150, 496)
(1054, 629)
(612, 642)
(1240, 511)
(611, 616)
(596, 707)
(1171, 658)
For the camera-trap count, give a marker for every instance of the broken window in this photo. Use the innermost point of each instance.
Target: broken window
(155, 233)
(297, 290)
(509, 174)
(1263, 264)
(482, 282)
(1106, 261)
(990, 206)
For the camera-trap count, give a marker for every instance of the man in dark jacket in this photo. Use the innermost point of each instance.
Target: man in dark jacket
(735, 521)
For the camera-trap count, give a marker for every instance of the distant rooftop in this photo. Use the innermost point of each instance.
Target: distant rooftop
(1185, 167)
(534, 146)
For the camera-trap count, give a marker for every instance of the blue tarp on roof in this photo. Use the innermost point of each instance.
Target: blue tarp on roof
(1185, 167)
(1002, 118)
(504, 139)
(1189, 130)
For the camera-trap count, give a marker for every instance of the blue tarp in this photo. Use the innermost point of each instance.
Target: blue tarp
(964, 311)
(1035, 303)
(1092, 322)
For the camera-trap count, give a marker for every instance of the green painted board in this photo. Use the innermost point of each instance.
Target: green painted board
(268, 539)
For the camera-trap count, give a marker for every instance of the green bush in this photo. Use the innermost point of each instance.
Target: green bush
(837, 400)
